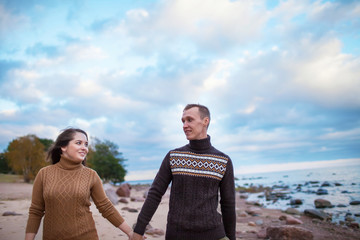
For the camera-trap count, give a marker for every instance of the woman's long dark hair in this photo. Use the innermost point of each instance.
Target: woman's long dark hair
(54, 152)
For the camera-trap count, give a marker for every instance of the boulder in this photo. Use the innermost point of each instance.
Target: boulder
(110, 193)
(322, 203)
(124, 190)
(313, 213)
(288, 232)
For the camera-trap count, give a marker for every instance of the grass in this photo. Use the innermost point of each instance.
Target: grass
(10, 178)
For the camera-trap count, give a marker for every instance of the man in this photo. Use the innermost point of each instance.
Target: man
(198, 172)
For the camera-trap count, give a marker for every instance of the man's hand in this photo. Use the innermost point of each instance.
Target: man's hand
(137, 236)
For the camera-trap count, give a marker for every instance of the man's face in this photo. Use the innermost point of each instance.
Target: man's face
(194, 127)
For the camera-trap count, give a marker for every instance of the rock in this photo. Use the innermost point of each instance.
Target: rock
(124, 190)
(254, 211)
(326, 184)
(241, 213)
(356, 202)
(252, 224)
(321, 191)
(261, 234)
(338, 184)
(313, 213)
(9, 213)
(137, 199)
(293, 211)
(341, 205)
(243, 196)
(129, 209)
(259, 222)
(290, 220)
(123, 200)
(322, 203)
(111, 194)
(288, 232)
(357, 214)
(296, 202)
(155, 232)
(354, 225)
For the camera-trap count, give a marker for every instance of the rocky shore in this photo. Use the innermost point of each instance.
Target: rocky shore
(253, 220)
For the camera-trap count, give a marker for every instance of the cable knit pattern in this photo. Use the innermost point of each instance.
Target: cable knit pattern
(62, 192)
(198, 173)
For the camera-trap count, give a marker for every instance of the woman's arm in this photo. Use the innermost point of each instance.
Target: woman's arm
(30, 236)
(126, 229)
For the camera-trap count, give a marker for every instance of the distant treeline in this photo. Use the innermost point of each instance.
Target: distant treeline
(26, 156)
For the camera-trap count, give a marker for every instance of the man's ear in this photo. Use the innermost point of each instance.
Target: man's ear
(206, 121)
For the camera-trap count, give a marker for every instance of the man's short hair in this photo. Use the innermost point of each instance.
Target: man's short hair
(204, 111)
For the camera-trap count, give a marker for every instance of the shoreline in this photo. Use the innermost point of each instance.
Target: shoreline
(252, 221)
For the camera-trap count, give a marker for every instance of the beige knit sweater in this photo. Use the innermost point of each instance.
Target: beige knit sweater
(62, 192)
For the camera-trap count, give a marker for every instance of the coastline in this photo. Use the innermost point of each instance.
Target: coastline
(252, 221)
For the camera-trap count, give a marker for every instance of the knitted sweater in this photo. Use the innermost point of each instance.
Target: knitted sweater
(198, 173)
(62, 192)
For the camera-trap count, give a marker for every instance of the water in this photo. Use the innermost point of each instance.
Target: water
(347, 177)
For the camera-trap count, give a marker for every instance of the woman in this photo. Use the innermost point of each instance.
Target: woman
(62, 193)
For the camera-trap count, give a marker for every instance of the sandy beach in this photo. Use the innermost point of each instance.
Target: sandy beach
(16, 197)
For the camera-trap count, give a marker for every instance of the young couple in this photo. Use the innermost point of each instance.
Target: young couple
(197, 172)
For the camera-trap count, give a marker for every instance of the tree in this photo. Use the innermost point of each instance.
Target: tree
(46, 142)
(4, 167)
(26, 156)
(107, 161)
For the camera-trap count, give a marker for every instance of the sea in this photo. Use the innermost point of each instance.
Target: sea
(344, 187)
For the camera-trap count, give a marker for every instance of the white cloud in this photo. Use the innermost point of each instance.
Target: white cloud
(262, 168)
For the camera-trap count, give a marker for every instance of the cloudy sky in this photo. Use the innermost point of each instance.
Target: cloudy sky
(281, 78)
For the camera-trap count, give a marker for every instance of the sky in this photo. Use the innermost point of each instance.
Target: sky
(281, 78)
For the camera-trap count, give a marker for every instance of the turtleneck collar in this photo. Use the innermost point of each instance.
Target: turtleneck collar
(201, 144)
(68, 164)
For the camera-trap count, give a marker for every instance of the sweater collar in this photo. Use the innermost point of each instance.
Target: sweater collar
(68, 164)
(201, 144)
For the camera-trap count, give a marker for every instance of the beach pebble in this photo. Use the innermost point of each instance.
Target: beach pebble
(356, 202)
(326, 184)
(9, 213)
(259, 222)
(254, 211)
(252, 224)
(137, 199)
(123, 200)
(322, 203)
(155, 232)
(296, 201)
(293, 211)
(290, 220)
(341, 205)
(288, 232)
(321, 191)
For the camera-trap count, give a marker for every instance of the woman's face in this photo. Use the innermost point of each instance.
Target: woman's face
(77, 148)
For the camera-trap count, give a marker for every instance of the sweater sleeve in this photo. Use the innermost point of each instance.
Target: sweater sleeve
(37, 207)
(153, 199)
(227, 201)
(103, 203)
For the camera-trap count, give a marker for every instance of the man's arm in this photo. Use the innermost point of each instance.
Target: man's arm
(153, 199)
(227, 201)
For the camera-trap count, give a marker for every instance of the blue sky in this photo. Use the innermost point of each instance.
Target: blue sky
(281, 78)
